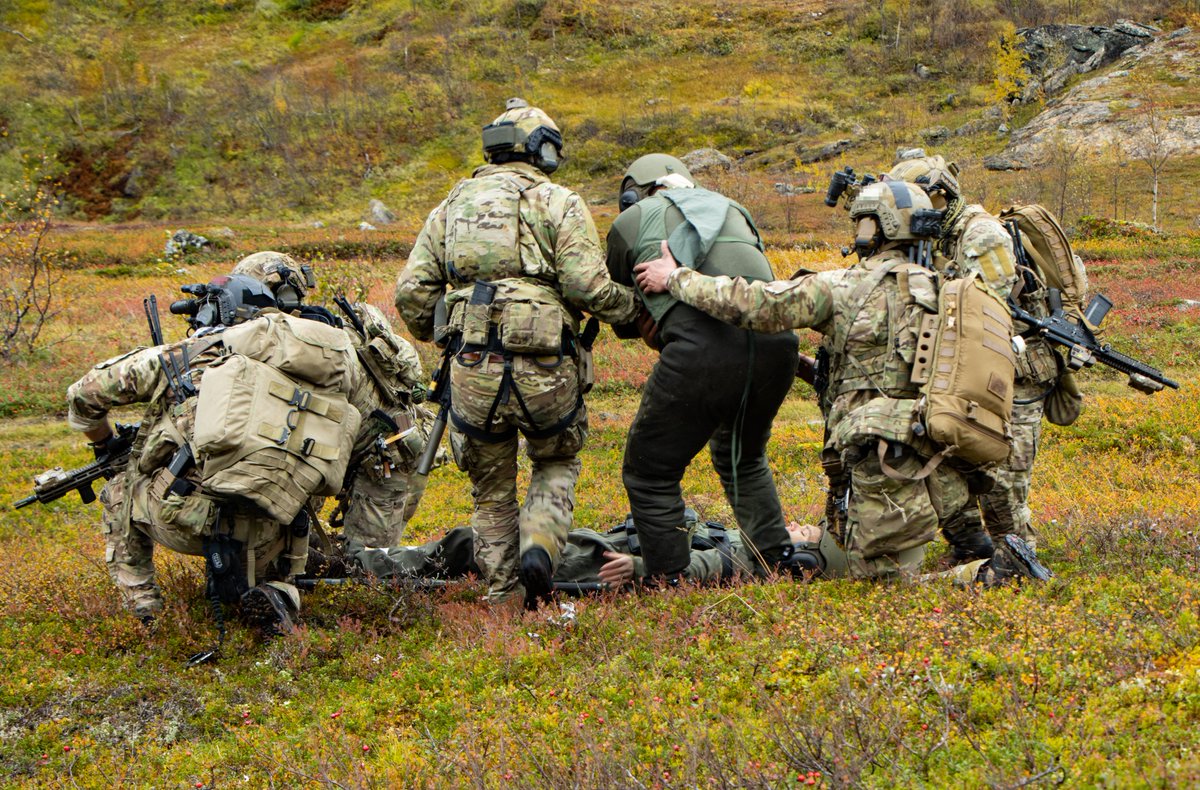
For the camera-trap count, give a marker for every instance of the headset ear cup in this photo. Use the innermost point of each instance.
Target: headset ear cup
(547, 158)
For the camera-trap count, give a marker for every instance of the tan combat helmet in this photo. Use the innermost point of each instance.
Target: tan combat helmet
(932, 173)
(894, 204)
(288, 279)
(650, 171)
(523, 132)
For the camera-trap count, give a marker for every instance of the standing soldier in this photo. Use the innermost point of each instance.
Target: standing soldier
(972, 240)
(383, 488)
(713, 384)
(517, 259)
(872, 315)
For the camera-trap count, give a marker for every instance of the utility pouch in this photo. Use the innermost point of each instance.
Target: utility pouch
(531, 328)
(1037, 363)
(192, 514)
(476, 320)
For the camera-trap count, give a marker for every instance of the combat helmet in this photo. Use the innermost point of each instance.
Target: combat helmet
(903, 210)
(932, 173)
(288, 280)
(650, 171)
(223, 301)
(523, 132)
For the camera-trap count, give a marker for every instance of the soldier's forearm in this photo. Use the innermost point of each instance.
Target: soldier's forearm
(99, 432)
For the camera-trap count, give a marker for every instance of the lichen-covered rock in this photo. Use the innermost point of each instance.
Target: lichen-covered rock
(706, 159)
(183, 241)
(379, 214)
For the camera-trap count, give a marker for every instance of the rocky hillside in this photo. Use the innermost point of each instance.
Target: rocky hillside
(306, 110)
(1149, 98)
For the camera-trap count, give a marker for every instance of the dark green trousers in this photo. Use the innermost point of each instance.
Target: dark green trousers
(718, 385)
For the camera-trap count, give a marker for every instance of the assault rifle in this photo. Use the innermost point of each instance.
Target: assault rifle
(1082, 347)
(57, 482)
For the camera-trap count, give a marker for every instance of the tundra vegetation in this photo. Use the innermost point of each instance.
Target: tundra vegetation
(121, 122)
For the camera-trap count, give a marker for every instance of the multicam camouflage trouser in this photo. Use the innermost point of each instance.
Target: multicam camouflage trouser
(1006, 507)
(890, 521)
(502, 531)
(378, 509)
(129, 542)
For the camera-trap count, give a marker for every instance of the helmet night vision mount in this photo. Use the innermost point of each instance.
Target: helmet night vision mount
(223, 301)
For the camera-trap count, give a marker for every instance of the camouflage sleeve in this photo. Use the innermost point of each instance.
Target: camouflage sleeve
(768, 307)
(988, 249)
(423, 279)
(582, 274)
(120, 381)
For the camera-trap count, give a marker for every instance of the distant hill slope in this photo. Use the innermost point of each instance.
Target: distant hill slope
(1156, 84)
(286, 110)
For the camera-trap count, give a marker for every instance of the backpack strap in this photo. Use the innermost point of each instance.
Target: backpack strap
(858, 298)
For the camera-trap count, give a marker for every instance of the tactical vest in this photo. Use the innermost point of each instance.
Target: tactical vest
(383, 356)
(273, 423)
(489, 241)
(705, 216)
(870, 349)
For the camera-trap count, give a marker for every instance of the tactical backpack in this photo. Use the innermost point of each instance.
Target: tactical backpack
(273, 423)
(965, 366)
(1046, 246)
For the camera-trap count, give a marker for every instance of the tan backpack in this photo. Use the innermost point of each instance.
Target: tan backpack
(273, 422)
(1047, 248)
(965, 364)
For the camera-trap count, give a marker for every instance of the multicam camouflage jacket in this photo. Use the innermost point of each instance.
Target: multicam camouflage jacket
(549, 224)
(978, 242)
(880, 323)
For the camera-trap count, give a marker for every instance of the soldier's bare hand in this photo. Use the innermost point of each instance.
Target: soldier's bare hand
(652, 275)
(618, 570)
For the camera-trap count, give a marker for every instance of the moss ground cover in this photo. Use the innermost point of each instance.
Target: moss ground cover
(1093, 678)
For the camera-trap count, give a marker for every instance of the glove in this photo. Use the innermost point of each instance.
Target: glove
(107, 447)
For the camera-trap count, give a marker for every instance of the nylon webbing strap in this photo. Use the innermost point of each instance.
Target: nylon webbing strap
(296, 443)
(306, 400)
(923, 473)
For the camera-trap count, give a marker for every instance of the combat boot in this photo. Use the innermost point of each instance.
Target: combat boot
(268, 608)
(537, 577)
(968, 543)
(1013, 558)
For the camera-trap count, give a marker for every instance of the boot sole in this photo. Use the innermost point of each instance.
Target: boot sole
(1026, 556)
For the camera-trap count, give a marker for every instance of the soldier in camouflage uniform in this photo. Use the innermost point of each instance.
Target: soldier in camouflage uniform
(142, 506)
(717, 555)
(871, 315)
(517, 358)
(384, 488)
(614, 558)
(974, 240)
